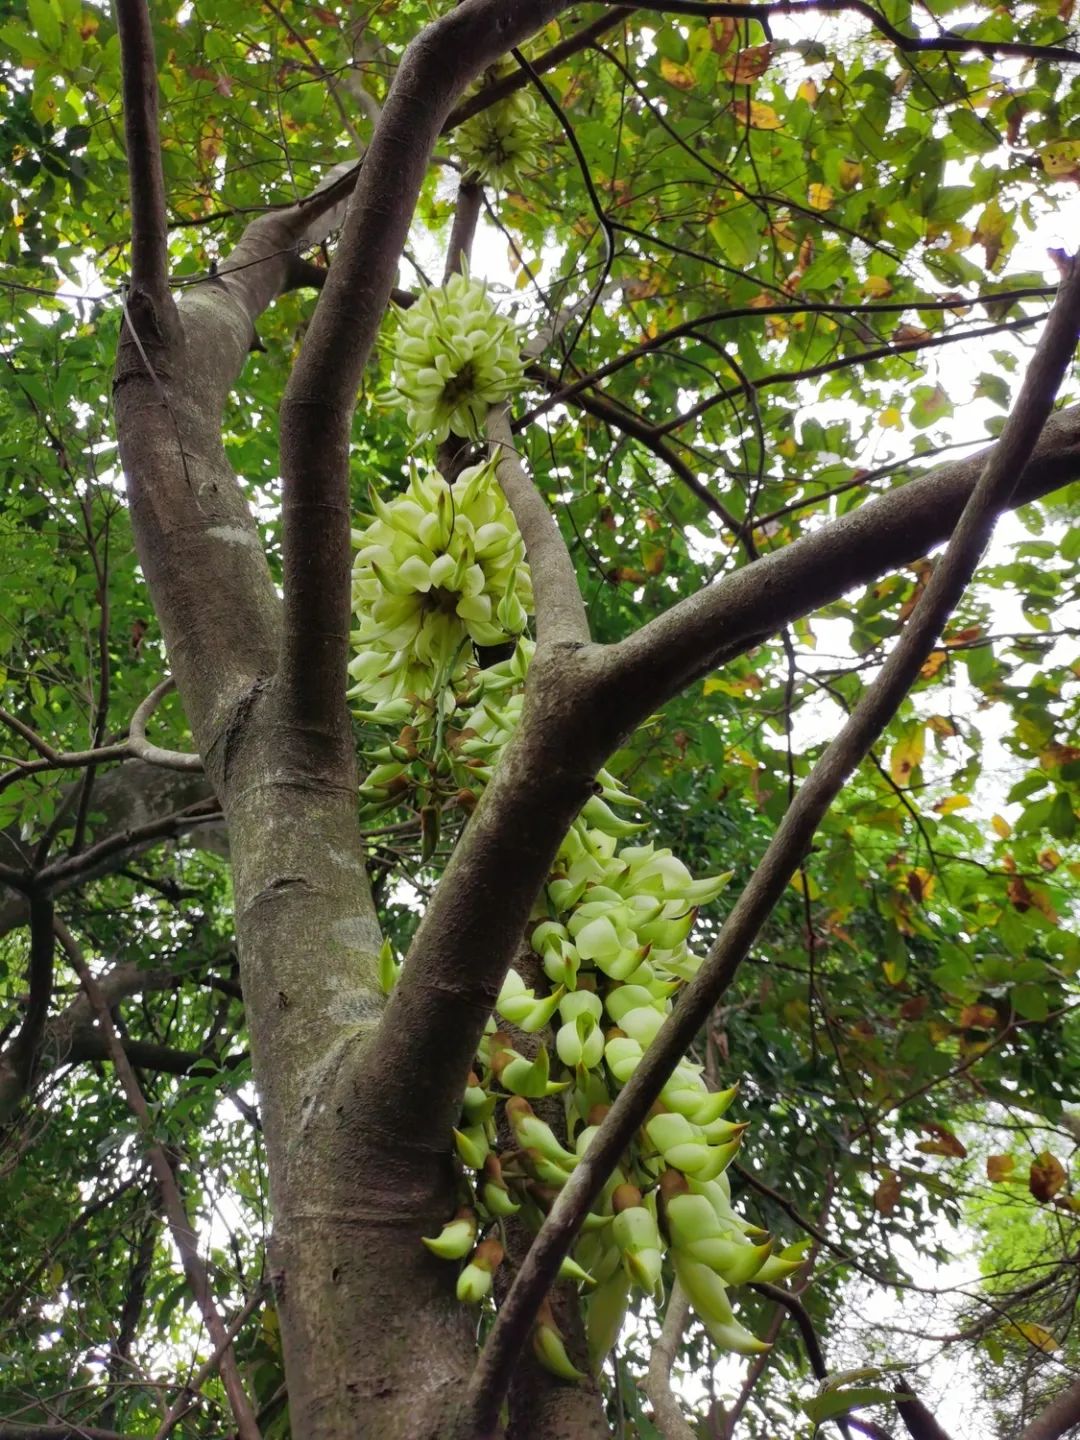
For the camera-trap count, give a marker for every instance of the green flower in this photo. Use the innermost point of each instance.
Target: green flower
(504, 141)
(455, 357)
(437, 570)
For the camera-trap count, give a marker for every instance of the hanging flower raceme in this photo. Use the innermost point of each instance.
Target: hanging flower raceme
(454, 357)
(500, 144)
(610, 934)
(437, 570)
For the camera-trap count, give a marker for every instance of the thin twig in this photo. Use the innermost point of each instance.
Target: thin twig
(180, 1225)
(944, 40)
(61, 873)
(181, 1406)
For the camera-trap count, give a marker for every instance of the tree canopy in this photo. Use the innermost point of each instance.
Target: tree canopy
(672, 709)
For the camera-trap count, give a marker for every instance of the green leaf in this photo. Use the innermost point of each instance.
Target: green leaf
(841, 1402)
(976, 134)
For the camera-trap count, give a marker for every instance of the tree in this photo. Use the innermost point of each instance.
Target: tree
(739, 245)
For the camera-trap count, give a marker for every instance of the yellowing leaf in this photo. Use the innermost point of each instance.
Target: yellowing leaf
(820, 196)
(808, 91)
(1061, 159)
(748, 64)
(1037, 1336)
(999, 1167)
(851, 172)
(788, 447)
(891, 419)
(965, 636)
(712, 685)
(877, 286)
(933, 664)
(887, 1193)
(944, 1142)
(812, 888)
(990, 232)
(210, 141)
(681, 76)
(1001, 826)
(942, 725)
(758, 117)
(907, 754)
(920, 884)
(1042, 903)
(979, 1017)
(721, 35)
(654, 558)
(951, 803)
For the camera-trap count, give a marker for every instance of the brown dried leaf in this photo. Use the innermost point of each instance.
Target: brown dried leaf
(1046, 1177)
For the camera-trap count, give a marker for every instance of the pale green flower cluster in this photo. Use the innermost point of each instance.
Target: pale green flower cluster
(455, 357)
(620, 910)
(438, 569)
(503, 142)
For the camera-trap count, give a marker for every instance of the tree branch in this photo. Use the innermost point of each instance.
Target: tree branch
(124, 798)
(886, 351)
(74, 1431)
(71, 1038)
(152, 754)
(948, 40)
(51, 759)
(149, 227)
(60, 874)
(560, 610)
(1060, 1415)
(210, 1365)
(667, 1412)
(743, 608)
(452, 454)
(180, 1225)
(918, 1421)
(763, 312)
(316, 411)
(466, 213)
(869, 1428)
(550, 60)
(473, 925)
(624, 420)
(21, 1057)
(797, 1310)
(876, 707)
(198, 543)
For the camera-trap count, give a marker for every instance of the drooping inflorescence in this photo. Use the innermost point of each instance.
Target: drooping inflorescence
(439, 570)
(455, 356)
(503, 141)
